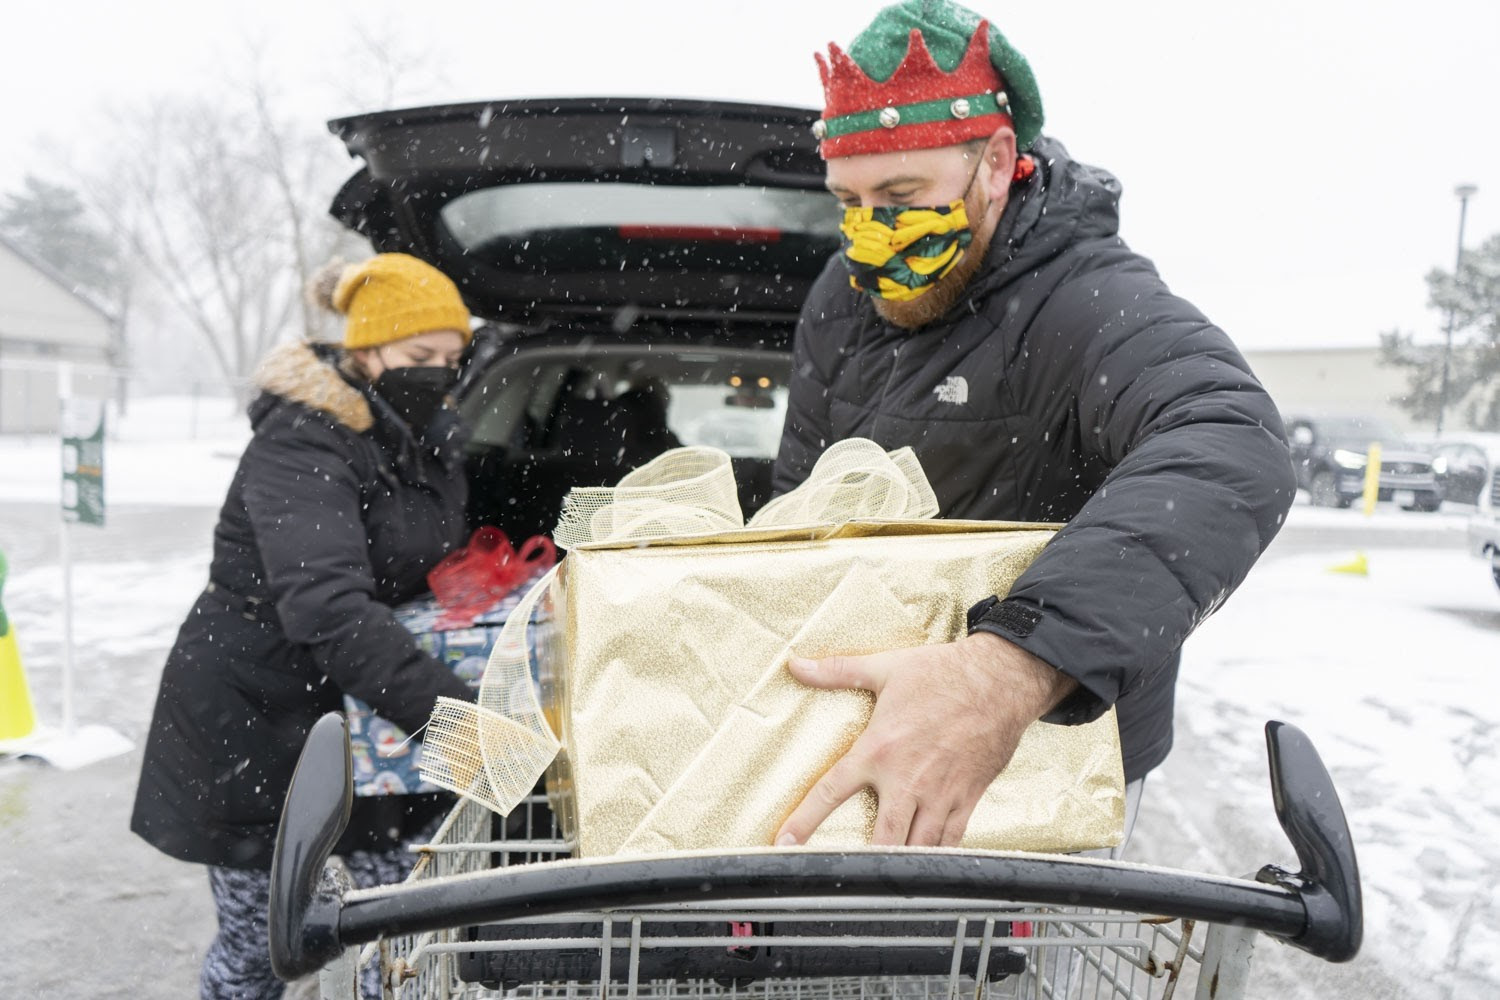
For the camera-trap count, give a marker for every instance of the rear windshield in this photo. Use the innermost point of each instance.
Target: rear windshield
(605, 225)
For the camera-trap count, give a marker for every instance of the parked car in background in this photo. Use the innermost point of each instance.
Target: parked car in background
(1331, 454)
(1462, 469)
(1463, 462)
(1484, 523)
(640, 263)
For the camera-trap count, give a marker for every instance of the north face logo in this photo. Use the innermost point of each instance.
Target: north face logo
(955, 389)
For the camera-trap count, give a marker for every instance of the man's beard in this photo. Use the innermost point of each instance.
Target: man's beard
(945, 294)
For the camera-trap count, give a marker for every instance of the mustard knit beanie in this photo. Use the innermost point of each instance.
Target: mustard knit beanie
(390, 297)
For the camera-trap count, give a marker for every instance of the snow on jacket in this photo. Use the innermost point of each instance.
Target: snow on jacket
(1069, 386)
(335, 514)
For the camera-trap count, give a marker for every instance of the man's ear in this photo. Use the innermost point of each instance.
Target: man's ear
(1000, 157)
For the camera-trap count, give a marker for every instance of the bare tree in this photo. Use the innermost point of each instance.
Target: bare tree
(222, 203)
(382, 70)
(189, 199)
(292, 195)
(220, 199)
(304, 166)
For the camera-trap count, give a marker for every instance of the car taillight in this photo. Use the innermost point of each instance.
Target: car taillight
(713, 234)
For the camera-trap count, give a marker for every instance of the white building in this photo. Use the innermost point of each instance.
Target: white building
(1333, 380)
(43, 321)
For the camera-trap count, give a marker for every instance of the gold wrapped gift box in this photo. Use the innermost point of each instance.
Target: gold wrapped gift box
(683, 729)
(667, 712)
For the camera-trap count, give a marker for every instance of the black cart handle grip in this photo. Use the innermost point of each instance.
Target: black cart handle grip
(304, 918)
(1307, 805)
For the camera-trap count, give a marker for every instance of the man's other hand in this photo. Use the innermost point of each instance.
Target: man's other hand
(947, 720)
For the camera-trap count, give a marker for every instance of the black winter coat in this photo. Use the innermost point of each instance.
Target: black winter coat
(334, 514)
(1069, 386)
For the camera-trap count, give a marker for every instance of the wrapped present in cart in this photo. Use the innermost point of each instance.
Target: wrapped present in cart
(665, 709)
(672, 761)
(475, 590)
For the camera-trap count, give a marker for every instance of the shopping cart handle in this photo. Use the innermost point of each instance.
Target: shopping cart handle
(1328, 884)
(1317, 909)
(304, 917)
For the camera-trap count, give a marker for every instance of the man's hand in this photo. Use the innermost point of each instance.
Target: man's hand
(947, 720)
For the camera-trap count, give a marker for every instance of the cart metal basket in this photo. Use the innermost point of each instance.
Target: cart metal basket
(496, 908)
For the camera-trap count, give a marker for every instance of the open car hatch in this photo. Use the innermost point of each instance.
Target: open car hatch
(548, 209)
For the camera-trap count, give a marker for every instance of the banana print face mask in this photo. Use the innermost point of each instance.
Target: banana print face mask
(899, 253)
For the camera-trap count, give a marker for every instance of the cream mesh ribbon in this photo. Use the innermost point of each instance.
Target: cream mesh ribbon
(495, 749)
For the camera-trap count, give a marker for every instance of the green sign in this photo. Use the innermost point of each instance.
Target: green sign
(83, 461)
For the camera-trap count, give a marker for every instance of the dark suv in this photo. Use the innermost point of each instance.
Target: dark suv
(1332, 455)
(640, 263)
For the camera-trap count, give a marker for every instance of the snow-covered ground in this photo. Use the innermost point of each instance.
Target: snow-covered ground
(1390, 673)
(166, 450)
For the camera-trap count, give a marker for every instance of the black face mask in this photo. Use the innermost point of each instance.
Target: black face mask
(415, 393)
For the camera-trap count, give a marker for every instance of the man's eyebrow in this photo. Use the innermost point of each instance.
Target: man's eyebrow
(885, 185)
(902, 181)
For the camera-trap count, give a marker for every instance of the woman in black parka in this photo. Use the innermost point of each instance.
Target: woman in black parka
(350, 490)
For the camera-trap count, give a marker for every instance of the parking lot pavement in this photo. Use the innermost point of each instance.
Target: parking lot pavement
(91, 910)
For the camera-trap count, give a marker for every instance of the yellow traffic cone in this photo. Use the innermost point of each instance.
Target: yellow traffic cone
(17, 717)
(1358, 566)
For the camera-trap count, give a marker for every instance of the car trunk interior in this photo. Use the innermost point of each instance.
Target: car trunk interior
(580, 409)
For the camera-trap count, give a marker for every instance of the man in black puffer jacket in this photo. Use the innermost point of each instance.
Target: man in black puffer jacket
(986, 313)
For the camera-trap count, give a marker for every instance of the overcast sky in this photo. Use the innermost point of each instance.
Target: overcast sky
(1289, 165)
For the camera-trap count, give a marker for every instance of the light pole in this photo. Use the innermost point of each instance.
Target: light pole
(1464, 192)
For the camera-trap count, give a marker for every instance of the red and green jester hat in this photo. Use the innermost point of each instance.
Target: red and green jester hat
(925, 73)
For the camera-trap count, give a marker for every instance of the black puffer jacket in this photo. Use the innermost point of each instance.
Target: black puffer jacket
(1071, 385)
(334, 514)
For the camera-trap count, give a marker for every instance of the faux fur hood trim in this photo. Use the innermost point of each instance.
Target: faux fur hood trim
(295, 372)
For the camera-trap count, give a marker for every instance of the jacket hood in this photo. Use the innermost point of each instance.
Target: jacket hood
(1064, 203)
(309, 375)
(303, 373)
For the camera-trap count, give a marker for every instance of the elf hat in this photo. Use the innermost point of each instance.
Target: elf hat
(390, 297)
(891, 92)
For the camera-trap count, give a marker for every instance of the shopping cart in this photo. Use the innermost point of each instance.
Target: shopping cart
(496, 908)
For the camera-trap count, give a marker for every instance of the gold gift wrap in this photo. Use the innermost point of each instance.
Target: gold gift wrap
(667, 714)
(682, 728)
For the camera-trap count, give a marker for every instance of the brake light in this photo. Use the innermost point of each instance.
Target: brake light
(713, 234)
